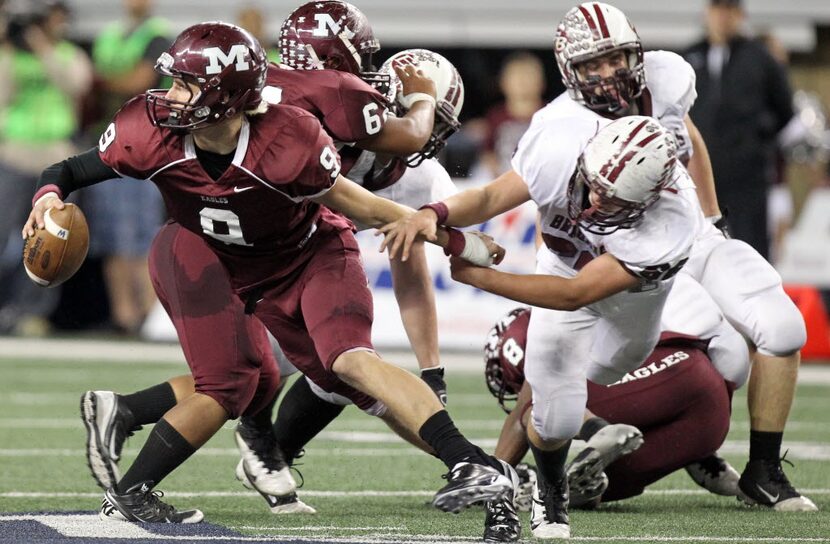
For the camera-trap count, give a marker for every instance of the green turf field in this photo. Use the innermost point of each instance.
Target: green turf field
(365, 483)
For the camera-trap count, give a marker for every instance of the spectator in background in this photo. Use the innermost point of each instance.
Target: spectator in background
(124, 217)
(522, 82)
(42, 77)
(252, 19)
(744, 100)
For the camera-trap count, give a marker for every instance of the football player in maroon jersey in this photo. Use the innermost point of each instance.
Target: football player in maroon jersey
(255, 179)
(351, 111)
(676, 398)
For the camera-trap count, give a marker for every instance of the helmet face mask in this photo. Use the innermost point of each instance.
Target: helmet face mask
(225, 63)
(620, 174)
(591, 31)
(449, 91)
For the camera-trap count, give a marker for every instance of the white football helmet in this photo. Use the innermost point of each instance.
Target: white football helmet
(449, 90)
(591, 30)
(627, 164)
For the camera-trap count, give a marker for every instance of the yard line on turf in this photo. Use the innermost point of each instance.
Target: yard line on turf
(362, 425)
(321, 494)
(328, 442)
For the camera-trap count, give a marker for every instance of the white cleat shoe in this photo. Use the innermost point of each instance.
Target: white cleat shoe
(108, 423)
(715, 475)
(262, 461)
(549, 515)
(286, 504)
(606, 446)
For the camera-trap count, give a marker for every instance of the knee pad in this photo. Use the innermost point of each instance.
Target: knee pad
(780, 326)
(558, 418)
(377, 409)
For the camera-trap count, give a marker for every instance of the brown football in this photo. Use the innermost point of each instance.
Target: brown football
(54, 253)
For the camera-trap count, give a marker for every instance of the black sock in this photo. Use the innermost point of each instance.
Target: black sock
(591, 426)
(450, 445)
(301, 416)
(551, 464)
(263, 418)
(150, 404)
(764, 445)
(164, 450)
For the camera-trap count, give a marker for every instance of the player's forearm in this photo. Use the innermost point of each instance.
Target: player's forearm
(405, 135)
(74, 173)
(553, 292)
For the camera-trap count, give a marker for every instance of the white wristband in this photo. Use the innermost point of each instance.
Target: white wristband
(475, 251)
(50, 194)
(409, 100)
(714, 218)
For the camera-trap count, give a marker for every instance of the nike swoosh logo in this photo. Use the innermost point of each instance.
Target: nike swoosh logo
(242, 189)
(772, 498)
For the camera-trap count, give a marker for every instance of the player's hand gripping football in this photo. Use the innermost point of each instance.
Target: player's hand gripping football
(414, 81)
(35, 219)
(399, 236)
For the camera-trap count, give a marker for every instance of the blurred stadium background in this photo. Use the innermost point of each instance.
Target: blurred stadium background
(41, 379)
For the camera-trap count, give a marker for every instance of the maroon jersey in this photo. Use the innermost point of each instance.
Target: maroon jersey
(257, 216)
(348, 108)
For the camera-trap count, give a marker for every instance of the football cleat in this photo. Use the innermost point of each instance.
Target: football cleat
(263, 463)
(606, 446)
(588, 498)
(502, 522)
(764, 482)
(549, 515)
(434, 378)
(108, 423)
(140, 504)
(470, 483)
(527, 483)
(285, 504)
(715, 475)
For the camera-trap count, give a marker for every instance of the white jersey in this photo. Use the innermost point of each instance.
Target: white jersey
(546, 160)
(670, 94)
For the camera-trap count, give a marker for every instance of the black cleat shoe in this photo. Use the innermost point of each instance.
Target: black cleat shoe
(140, 504)
(434, 378)
(263, 462)
(549, 517)
(764, 482)
(108, 423)
(471, 483)
(502, 522)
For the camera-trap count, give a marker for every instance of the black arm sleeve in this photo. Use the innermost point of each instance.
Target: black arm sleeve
(77, 172)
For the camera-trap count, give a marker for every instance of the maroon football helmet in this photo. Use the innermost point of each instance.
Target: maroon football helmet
(504, 356)
(227, 64)
(329, 35)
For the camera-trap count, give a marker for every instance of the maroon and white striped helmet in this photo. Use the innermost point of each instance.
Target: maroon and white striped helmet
(449, 89)
(504, 356)
(227, 64)
(627, 164)
(592, 30)
(329, 34)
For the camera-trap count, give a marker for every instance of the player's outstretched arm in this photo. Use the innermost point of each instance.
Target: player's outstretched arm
(599, 279)
(365, 207)
(463, 209)
(405, 135)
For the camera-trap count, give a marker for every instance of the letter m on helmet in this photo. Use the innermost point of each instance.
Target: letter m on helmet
(218, 59)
